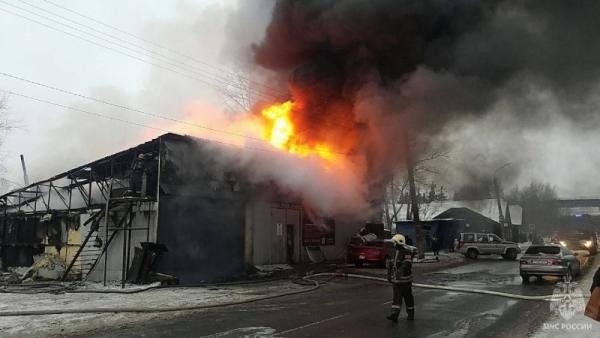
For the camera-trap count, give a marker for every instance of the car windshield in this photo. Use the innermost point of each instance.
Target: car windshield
(545, 250)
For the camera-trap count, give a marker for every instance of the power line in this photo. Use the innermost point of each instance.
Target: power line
(139, 111)
(108, 117)
(116, 105)
(123, 53)
(273, 93)
(107, 47)
(6, 180)
(218, 82)
(160, 46)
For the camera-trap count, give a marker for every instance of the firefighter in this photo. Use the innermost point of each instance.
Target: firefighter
(400, 275)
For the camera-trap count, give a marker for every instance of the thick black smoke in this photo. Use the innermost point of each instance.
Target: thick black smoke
(383, 66)
(333, 48)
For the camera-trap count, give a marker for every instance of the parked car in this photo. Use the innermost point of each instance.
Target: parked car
(549, 260)
(580, 241)
(473, 244)
(376, 251)
(580, 248)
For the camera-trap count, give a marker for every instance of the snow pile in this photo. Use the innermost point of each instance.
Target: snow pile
(59, 325)
(273, 267)
(115, 286)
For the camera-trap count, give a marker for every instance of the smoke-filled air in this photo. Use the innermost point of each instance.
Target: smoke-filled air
(328, 93)
(487, 81)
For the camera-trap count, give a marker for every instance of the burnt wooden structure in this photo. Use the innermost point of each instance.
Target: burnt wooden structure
(169, 190)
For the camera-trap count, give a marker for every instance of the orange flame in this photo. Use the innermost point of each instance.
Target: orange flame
(280, 132)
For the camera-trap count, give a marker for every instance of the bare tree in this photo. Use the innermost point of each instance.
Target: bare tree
(4, 123)
(238, 93)
(535, 192)
(5, 127)
(398, 201)
(241, 93)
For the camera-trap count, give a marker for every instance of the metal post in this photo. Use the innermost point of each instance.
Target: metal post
(129, 245)
(148, 220)
(125, 255)
(4, 221)
(49, 195)
(69, 218)
(106, 231)
(160, 149)
(36, 199)
(90, 187)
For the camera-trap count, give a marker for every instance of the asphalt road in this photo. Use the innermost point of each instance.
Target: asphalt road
(354, 308)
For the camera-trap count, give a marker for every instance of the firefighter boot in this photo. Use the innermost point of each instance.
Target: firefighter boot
(393, 317)
(394, 314)
(411, 315)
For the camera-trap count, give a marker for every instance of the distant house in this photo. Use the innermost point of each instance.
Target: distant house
(485, 207)
(471, 221)
(449, 218)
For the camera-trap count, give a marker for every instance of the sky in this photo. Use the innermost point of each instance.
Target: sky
(215, 38)
(52, 138)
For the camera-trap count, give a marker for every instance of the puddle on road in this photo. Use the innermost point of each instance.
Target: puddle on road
(475, 322)
(473, 278)
(511, 283)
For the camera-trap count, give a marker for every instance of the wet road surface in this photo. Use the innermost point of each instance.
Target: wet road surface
(355, 308)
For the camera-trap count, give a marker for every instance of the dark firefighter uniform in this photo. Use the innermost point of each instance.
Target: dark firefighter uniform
(400, 275)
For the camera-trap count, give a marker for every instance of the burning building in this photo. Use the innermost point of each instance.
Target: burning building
(213, 221)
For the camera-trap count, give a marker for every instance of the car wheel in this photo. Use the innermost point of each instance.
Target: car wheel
(472, 253)
(511, 254)
(569, 275)
(572, 273)
(525, 279)
(358, 264)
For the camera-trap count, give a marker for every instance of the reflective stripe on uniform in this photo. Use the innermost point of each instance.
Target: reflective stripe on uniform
(396, 307)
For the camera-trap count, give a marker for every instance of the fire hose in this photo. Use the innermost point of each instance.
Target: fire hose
(308, 279)
(454, 289)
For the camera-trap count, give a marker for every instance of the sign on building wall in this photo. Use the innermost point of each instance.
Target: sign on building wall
(318, 232)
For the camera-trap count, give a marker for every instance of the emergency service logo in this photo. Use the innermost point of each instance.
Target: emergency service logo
(567, 300)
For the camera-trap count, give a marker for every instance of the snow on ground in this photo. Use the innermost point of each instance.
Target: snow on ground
(273, 267)
(58, 325)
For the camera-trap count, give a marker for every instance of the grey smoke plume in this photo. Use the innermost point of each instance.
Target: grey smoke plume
(490, 81)
(489, 78)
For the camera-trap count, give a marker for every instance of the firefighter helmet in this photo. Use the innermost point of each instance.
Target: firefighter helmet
(399, 239)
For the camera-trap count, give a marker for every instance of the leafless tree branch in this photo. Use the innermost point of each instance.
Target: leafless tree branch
(397, 197)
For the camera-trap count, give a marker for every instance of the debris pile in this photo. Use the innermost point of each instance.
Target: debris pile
(45, 267)
(9, 278)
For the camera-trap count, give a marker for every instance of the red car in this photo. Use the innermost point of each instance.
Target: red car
(370, 252)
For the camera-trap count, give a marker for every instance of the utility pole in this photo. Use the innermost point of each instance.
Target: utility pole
(501, 220)
(414, 203)
(25, 177)
(497, 193)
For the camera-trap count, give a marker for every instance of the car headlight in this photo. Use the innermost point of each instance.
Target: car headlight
(563, 243)
(587, 244)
